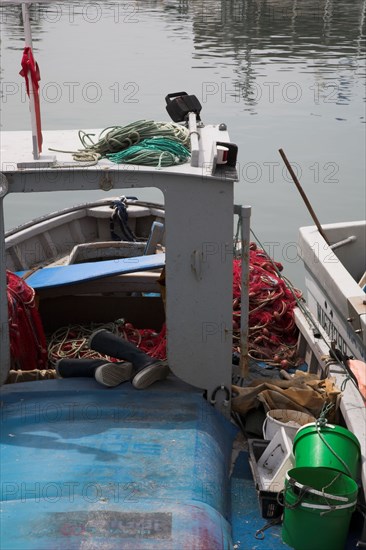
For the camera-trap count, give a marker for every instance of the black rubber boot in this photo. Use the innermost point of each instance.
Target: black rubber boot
(106, 342)
(76, 368)
(147, 369)
(104, 372)
(158, 370)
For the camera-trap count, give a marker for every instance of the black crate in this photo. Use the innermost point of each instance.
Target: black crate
(270, 507)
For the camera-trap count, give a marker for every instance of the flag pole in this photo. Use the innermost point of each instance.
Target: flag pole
(32, 91)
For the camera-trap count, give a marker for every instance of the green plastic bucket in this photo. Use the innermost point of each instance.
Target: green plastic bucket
(327, 448)
(318, 505)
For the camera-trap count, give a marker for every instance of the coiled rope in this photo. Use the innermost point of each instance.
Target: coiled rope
(118, 138)
(170, 144)
(71, 342)
(153, 152)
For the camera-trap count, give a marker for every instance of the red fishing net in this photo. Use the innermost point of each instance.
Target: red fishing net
(272, 330)
(28, 346)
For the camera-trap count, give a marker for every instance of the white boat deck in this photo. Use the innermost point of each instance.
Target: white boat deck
(16, 148)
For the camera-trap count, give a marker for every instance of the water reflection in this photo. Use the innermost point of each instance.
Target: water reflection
(297, 67)
(296, 37)
(239, 33)
(257, 50)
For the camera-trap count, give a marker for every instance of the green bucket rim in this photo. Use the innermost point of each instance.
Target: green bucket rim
(312, 428)
(317, 492)
(329, 508)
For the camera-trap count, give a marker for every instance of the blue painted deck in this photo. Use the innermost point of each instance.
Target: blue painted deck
(61, 275)
(246, 512)
(87, 467)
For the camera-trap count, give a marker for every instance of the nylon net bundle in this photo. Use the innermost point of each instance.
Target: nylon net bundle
(272, 330)
(28, 347)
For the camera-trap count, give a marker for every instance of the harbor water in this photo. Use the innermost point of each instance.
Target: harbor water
(281, 74)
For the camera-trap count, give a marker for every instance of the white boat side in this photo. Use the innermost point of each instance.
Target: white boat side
(332, 275)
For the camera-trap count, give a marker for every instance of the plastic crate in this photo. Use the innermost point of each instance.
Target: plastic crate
(270, 507)
(275, 462)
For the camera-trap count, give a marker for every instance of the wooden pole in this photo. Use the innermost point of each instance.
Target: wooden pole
(302, 193)
(245, 213)
(5, 359)
(32, 92)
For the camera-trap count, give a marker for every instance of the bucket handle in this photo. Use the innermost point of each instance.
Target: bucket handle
(264, 427)
(308, 489)
(301, 489)
(318, 425)
(329, 508)
(302, 493)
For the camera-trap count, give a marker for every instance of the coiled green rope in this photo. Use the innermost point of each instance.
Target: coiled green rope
(153, 152)
(174, 149)
(117, 138)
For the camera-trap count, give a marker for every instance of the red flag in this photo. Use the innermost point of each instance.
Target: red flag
(30, 67)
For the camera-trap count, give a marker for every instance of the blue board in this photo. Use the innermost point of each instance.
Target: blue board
(68, 274)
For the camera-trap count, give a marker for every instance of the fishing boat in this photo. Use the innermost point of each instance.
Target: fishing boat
(335, 276)
(85, 466)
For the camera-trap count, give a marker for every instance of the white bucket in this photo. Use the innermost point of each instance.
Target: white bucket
(290, 420)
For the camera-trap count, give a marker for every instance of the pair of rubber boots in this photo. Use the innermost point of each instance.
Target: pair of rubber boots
(137, 366)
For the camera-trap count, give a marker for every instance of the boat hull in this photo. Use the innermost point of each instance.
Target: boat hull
(113, 469)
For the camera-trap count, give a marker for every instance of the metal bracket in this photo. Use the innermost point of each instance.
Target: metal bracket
(4, 186)
(106, 182)
(223, 402)
(356, 309)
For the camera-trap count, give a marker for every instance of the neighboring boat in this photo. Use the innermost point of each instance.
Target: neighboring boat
(335, 276)
(100, 230)
(113, 228)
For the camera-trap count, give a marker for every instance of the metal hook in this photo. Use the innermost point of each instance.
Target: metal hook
(227, 394)
(259, 535)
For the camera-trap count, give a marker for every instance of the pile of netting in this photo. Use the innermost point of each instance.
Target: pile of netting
(72, 341)
(28, 347)
(272, 330)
